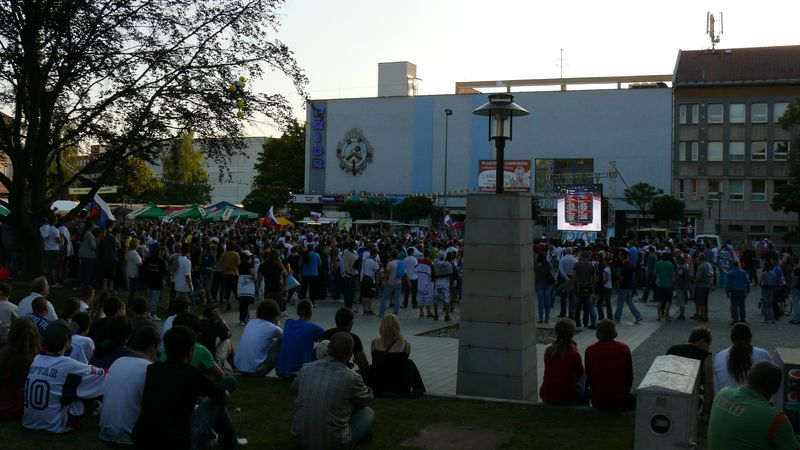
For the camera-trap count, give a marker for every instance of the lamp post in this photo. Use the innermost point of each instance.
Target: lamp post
(447, 114)
(709, 204)
(718, 225)
(501, 110)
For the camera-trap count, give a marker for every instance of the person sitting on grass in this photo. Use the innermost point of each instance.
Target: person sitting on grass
(115, 347)
(112, 307)
(698, 348)
(260, 344)
(393, 372)
(38, 314)
(168, 417)
(180, 305)
(57, 385)
(297, 346)
(609, 370)
(743, 418)
(201, 357)
(15, 362)
(564, 382)
(8, 312)
(344, 322)
(86, 298)
(216, 335)
(328, 389)
(141, 315)
(80, 329)
(39, 289)
(122, 397)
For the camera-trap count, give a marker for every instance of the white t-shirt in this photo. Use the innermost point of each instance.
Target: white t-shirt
(410, 266)
(122, 397)
(85, 343)
(166, 326)
(25, 307)
(607, 284)
(84, 307)
(64, 231)
(369, 267)
(254, 345)
(75, 352)
(47, 403)
(723, 378)
(132, 264)
(50, 236)
(184, 270)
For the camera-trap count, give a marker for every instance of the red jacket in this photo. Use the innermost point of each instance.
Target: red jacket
(560, 383)
(609, 374)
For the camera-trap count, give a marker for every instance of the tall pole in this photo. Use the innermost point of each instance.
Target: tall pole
(447, 113)
(500, 144)
(719, 214)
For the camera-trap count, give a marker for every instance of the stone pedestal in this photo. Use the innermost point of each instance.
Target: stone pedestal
(497, 334)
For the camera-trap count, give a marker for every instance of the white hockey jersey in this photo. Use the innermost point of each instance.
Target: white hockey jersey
(53, 391)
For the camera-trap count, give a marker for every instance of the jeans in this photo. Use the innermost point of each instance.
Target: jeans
(650, 285)
(543, 295)
(624, 298)
(392, 290)
(360, 424)
(586, 303)
(604, 301)
(410, 288)
(737, 306)
(349, 290)
(767, 294)
(210, 417)
(153, 299)
(86, 271)
(794, 294)
(723, 277)
(133, 285)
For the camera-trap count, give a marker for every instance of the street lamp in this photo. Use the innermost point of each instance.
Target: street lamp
(709, 204)
(447, 114)
(501, 110)
(718, 225)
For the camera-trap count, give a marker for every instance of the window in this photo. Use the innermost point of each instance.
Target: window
(736, 113)
(689, 113)
(693, 189)
(733, 227)
(681, 189)
(737, 189)
(780, 108)
(781, 151)
(713, 188)
(758, 190)
(715, 111)
(758, 151)
(736, 151)
(758, 113)
(757, 228)
(780, 229)
(714, 151)
(687, 151)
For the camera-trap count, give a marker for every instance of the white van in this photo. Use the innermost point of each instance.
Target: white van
(715, 239)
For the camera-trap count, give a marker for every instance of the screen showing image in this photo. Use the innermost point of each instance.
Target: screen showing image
(579, 207)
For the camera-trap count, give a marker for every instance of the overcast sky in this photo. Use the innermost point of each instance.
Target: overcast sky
(340, 43)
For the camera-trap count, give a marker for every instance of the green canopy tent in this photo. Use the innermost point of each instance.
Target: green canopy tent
(148, 212)
(190, 212)
(4, 211)
(239, 213)
(220, 215)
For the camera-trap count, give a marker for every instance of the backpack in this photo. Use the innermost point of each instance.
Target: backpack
(705, 273)
(442, 268)
(400, 271)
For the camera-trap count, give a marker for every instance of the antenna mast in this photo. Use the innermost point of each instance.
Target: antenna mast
(711, 28)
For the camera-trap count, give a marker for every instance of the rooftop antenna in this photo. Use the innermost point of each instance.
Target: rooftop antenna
(710, 28)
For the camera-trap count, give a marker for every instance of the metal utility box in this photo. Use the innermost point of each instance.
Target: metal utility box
(788, 398)
(667, 404)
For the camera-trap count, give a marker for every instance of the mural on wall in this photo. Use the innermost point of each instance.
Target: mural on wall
(354, 152)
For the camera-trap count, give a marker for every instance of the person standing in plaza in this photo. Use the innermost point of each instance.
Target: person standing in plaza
(566, 286)
(230, 271)
(665, 276)
(625, 287)
(794, 294)
(650, 270)
(544, 279)
(410, 280)
(370, 270)
(737, 287)
(604, 286)
(425, 289)
(769, 282)
(682, 285)
(311, 263)
(183, 277)
(392, 287)
(583, 274)
(349, 274)
(704, 276)
(52, 249)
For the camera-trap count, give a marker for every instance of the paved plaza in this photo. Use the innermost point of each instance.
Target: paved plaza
(437, 357)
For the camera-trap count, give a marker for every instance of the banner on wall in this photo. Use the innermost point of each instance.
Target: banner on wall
(516, 175)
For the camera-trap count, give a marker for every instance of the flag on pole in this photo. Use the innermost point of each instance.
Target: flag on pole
(100, 210)
(271, 219)
(315, 216)
(449, 222)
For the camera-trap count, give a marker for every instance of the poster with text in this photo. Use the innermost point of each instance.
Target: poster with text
(579, 207)
(516, 175)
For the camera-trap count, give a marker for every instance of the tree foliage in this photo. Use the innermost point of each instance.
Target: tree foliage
(667, 207)
(128, 75)
(279, 170)
(136, 183)
(358, 209)
(787, 197)
(641, 196)
(185, 174)
(414, 208)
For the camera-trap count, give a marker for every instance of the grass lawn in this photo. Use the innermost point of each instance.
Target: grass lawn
(266, 405)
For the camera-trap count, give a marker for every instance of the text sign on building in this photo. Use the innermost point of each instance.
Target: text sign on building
(516, 175)
(306, 199)
(317, 138)
(84, 191)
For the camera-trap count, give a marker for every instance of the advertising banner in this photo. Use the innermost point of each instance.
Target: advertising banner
(579, 207)
(517, 175)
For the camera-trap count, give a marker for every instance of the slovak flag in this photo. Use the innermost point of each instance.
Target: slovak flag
(449, 222)
(270, 219)
(315, 216)
(100, 210)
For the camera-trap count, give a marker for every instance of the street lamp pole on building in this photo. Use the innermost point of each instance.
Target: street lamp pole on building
(447, 114)
(501, 110)
(719, 214)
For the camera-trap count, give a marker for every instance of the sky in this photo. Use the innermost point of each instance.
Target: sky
(339, 43)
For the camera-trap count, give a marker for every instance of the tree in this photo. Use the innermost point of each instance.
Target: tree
(358, 209)
(128, 75)
(641, 196)
(414, 208)
(279, 170)
(787, 197)
(136, 183)
(666, 208)
(185, 174)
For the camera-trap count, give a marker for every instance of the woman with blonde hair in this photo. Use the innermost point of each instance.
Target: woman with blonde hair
(392, 372)
(564, 381)
(15, 362)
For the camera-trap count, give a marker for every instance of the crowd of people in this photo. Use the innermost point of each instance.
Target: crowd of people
(181, 363)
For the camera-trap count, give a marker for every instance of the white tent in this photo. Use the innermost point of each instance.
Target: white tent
(63, 206)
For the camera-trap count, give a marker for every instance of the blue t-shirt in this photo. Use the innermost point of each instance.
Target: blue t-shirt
(297, 347)
(634, 252)
(312, 268)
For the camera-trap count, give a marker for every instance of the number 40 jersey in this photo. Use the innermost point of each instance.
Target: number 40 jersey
(53, 391)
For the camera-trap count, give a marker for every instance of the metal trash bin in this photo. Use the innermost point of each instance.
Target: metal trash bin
(667, 404)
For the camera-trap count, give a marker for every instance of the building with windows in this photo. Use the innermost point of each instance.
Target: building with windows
(730, 154)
